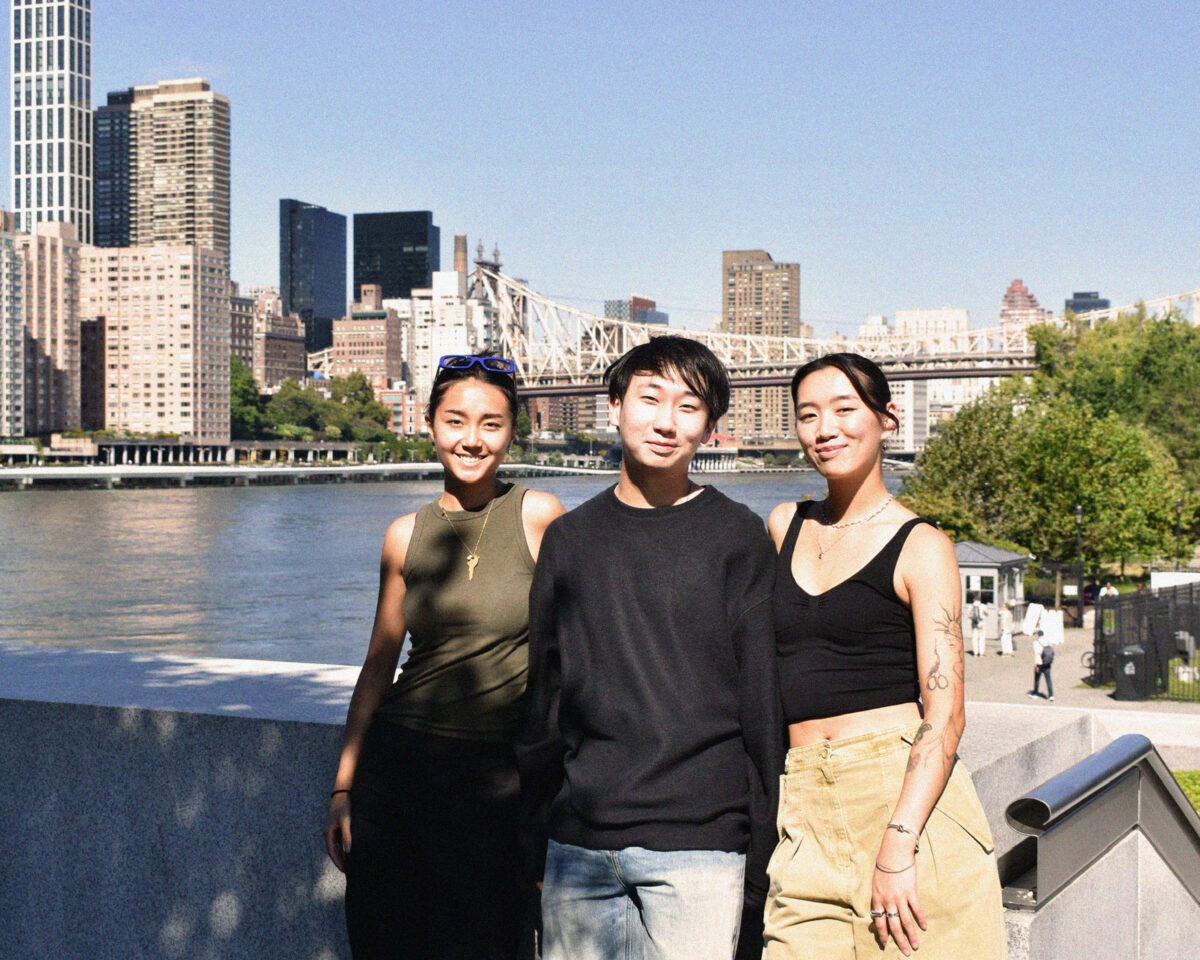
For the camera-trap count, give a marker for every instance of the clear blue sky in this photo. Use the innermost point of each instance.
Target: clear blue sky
(907, 154)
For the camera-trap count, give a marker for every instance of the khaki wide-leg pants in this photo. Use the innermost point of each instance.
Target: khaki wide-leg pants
(834, 804)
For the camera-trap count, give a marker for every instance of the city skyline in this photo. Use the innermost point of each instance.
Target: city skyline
(906, 158)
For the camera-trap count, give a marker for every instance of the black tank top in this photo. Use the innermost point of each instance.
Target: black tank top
(850, 648)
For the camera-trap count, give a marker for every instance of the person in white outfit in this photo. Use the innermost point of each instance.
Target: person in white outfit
(978, 643)
(1006, 631)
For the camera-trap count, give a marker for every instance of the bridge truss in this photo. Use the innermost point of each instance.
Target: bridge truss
(560, 349)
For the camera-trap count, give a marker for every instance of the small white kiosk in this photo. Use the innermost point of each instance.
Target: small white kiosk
(996, 577)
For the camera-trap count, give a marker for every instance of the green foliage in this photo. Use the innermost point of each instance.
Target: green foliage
(1009, 470)
(524, 426)
(1189, 780)
(296, 412)
(245, 404)
(1145, 369)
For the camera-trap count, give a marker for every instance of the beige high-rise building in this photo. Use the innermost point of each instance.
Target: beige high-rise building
(171, 141)
(760, 296)
(370, 340)
(12, 332)
(50, 301)
(1019, 311)
(167, 340)
(278, 344)
(241, 325)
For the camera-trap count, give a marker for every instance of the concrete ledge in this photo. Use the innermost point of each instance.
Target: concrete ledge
(141, 832)
(167, 807)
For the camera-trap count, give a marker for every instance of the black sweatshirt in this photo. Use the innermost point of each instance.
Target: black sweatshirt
(652, 712)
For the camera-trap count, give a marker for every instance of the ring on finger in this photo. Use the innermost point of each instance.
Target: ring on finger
(892, 916)
(878, 913)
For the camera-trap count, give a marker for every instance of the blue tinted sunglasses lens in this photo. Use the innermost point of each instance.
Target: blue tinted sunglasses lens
(498, 363)
(462, 362)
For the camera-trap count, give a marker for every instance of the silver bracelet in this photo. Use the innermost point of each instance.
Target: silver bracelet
(901, 828)
(883, 869)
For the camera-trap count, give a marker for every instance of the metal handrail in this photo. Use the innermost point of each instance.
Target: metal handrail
(1080, 814)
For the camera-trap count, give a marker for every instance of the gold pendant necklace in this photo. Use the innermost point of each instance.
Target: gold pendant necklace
(821, 551)
(472, 555)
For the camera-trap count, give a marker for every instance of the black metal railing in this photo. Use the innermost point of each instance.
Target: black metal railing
(1146, 642)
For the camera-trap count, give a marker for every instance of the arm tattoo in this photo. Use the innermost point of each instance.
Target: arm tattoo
(930, 742)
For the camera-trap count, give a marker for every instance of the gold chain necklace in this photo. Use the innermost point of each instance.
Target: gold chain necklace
(821, 551)
(472, 555)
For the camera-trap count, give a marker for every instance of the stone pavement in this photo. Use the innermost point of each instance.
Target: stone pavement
(996, 679)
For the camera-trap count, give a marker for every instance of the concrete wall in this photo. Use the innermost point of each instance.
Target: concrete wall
(163, 807)
(147, 833)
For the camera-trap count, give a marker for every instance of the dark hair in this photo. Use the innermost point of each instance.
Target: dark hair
(692, 361)
(864, 375)
(446, 377)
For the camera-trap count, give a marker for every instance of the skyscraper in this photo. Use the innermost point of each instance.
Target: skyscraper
(12, 332)
(760, 296)
(50, 298)
(1018, 311)
(165, 311)
(396, 252)
(51, 176)
(162, 151)
(312, 268)
(113, 168)
(1085, 301)
(636, 309)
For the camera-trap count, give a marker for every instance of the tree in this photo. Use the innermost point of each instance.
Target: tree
(523, 426)
(1010, 469)
(1145, 369)
(245, 404)
(294, 406)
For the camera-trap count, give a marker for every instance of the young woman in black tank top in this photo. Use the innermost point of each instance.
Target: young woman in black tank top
(423, 811)
(881, 834)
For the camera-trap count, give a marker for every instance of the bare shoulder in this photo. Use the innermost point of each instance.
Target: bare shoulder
(926, 544)
(540, 508)
(927, 559)
(779, 520)
(396, 540)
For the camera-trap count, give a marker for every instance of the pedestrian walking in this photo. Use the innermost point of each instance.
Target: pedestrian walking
(1043, 660)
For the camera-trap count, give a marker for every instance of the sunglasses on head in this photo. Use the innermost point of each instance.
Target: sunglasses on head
(455, 361)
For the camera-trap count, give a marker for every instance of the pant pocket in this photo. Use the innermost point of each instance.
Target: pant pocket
(960, 804)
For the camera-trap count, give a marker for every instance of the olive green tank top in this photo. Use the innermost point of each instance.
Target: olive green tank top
(468, 634)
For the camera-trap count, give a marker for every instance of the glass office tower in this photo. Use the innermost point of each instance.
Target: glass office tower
(397, 251)
(312, 268)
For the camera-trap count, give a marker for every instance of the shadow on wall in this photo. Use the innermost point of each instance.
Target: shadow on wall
(139, 833)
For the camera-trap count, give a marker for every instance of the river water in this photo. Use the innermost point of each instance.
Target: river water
(263, 573)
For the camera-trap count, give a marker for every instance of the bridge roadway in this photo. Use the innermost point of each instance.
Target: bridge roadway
(955, 368)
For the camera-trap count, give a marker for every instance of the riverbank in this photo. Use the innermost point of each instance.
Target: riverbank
(178, 475)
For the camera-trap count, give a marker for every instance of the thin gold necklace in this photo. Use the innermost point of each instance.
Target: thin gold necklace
(821, 551)
(472, 555)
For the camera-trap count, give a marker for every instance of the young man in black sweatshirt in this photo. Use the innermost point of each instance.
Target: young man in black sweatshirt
(653, 741)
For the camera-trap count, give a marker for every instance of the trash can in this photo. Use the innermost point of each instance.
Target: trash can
(1131, 674)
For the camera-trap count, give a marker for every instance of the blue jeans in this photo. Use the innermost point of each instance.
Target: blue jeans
(638, 904)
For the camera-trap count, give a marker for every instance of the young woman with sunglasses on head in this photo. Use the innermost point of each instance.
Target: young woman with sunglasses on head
(423, 813)
(884, 848)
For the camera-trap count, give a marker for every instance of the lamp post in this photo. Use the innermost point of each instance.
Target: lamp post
(1079, 559)
(1178, 529)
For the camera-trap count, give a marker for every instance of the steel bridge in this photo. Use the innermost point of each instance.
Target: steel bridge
(560, 350)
